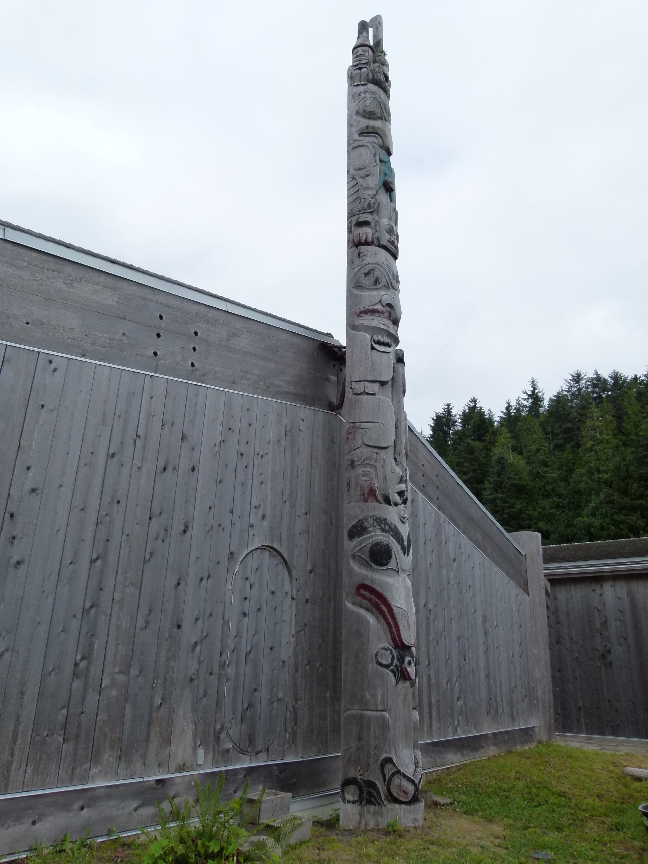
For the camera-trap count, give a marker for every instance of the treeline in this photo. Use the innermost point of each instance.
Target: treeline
(574, 467)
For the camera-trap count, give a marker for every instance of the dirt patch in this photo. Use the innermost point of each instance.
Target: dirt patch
(448, 827)
(445, 830)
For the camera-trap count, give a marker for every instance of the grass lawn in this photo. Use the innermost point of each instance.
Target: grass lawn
(575, 804)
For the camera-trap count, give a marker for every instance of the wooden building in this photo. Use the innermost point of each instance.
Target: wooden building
(170, 556)
(598, 637)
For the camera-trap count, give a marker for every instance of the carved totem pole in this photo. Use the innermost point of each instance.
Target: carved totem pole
(381, 767)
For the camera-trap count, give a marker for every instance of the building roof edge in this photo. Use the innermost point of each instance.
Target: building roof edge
(69, 252)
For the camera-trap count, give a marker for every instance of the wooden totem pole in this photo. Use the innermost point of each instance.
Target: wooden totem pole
(381, 767)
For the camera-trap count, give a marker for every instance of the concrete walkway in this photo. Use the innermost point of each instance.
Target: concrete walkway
(608, 744)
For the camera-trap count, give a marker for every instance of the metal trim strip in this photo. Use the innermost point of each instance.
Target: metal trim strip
(159, 375)
(605, 568)
(23, 237)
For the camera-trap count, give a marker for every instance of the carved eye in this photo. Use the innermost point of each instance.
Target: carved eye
(371, 109)
(370, 279)
(378, 554)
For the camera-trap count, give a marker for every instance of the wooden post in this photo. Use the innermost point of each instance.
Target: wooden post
(531, 543)
(381, 763)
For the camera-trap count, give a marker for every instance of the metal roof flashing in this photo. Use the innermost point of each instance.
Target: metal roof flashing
(61, 249)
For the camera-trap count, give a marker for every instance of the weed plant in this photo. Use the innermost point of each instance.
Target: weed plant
(205, 831)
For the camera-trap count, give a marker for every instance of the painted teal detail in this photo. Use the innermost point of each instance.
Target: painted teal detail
(387, 174)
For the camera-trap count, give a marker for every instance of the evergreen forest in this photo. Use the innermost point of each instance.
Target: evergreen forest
(573, 467)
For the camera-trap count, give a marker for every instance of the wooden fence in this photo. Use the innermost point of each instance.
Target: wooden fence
(598, 626)
(170, 558)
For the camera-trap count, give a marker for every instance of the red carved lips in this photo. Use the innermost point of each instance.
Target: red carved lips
(384, 316)
(376, 311)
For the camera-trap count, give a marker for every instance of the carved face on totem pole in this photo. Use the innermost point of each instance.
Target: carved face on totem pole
(381, 764)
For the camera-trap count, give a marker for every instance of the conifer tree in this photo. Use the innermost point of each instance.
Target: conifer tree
(574, 467)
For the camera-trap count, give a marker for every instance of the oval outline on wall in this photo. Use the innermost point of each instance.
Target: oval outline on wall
(285, 638)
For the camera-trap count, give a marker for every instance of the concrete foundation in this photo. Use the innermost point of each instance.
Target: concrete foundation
(358, 816)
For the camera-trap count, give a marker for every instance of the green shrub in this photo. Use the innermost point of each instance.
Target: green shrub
(205, 831)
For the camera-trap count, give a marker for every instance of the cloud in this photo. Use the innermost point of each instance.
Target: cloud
(206, 141)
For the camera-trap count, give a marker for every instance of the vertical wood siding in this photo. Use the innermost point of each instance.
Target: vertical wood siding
(599, 655)
(128, 504)
(472, 634)
(170, 591)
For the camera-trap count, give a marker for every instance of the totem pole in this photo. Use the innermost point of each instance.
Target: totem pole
(381, 767)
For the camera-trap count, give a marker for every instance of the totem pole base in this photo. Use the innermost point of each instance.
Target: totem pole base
(369, 816)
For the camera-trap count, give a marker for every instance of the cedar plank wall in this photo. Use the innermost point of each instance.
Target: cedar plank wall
(474, 672)
(59, 305)
(598, 637)
(139, 511)
(134, 507)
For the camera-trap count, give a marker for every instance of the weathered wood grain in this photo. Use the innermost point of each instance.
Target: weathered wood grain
(277, 670)
(473, 646)
(463, 621)
(132, 673)
(24, 500)
(480, 660)
(574, 716)
(504, 630)
(42, 571)
(599, 653)
(447, 654)
(54, 694)
(255, 568)
(220, 438)
(89, 659)
(302, 657)
(556, 650)
(16, 378)
(117, 660)
(600, 690)
(637, 654)
(271, 717)
(450, 751)
(238, 546)
(77, 310)
(331, 555)
(245, 653)
(315, 595)
(637, 593)
(624, 693)
(175, 584)
(137, 709)
(577, 653)
(288, 525)
(211, 733)
(434, 480)
(266, 726)
(419, 594)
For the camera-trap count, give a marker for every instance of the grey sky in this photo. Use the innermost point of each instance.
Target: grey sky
(206, 141)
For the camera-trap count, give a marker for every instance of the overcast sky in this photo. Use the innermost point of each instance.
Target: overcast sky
(205, 141)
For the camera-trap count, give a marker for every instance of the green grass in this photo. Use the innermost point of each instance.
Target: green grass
(575, 804)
